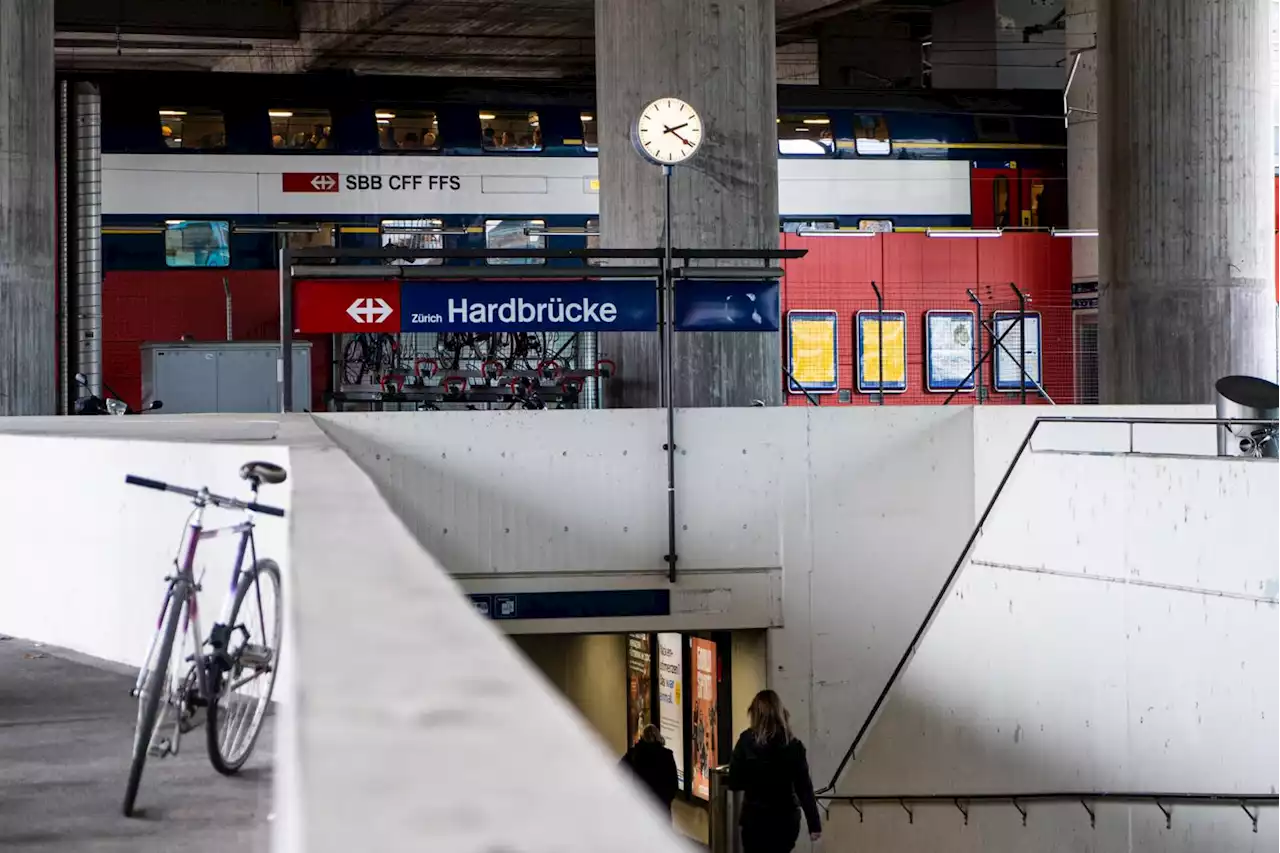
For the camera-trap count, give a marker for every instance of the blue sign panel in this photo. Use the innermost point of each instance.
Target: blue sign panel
(726, 306)
(629, 305)
(578, 604)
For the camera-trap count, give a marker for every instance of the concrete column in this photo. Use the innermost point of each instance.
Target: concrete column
(1082, 137)
(28, 318)
(719, 56)
(1184, 198)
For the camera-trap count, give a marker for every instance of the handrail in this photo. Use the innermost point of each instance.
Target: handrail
(963, 801)
(977, 531)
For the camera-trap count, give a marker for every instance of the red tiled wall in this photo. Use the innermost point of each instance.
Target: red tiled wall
(162, 306)
(916, 274)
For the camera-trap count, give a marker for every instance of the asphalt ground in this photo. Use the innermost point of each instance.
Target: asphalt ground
(66, 735)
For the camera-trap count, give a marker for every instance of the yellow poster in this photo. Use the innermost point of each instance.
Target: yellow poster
(811, 339)
(894, 324)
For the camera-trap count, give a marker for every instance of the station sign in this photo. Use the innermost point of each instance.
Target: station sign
(704, 305)
(625, 305)
(346, 306)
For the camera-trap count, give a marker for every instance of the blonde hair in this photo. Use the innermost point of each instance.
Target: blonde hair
(769, 718)
(651, 734)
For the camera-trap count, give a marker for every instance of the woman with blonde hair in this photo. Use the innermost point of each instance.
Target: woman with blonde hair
(769, 766)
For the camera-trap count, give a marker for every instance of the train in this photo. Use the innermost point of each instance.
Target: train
(203, 172)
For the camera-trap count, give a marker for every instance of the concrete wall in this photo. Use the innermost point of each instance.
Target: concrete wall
(749, 675)
(590, 670)
(86, 555)
(1117, 631)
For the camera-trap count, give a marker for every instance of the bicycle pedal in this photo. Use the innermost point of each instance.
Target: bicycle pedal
(255, 656)
(161, 748)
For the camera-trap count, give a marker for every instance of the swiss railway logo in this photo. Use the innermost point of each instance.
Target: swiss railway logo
(370, 309)
(309, 182)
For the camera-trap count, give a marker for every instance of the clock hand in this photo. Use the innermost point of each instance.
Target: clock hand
(682, 139)
(666, 129)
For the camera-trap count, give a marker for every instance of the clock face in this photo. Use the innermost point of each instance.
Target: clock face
(668, 131)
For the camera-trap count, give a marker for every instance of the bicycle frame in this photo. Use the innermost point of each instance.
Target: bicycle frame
(184, 588)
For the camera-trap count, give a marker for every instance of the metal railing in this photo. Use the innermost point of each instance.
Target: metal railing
(1250, 803)
(972, 540)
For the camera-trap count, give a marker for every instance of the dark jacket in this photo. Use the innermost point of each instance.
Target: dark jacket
(774, 780)
(656, 767)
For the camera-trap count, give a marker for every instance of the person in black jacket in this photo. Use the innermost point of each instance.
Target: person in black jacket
(650, 759)
(770, 768)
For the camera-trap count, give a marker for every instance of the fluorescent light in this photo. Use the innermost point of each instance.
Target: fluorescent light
(487, 116)
(384, 114)
(800, 129)
(587, 117)
(174, 221)
(279, 113)
(558, 230)
(175, 113)
(384, 121)
(817, 121)
(1074, 232)
(828, 232)
(964, 232)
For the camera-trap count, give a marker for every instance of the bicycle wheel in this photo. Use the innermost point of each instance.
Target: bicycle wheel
(243, 692)
(153, 688)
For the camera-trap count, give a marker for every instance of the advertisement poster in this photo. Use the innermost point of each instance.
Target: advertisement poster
(706, 729)
(894, 351)
(639, 677)
(811, 351)
(949, 349)
(1011, 349)
(670, 707)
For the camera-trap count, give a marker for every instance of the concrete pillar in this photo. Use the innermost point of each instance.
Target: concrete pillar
(1184, 197)
(719, 56)
(1082, 137)
(28, 319)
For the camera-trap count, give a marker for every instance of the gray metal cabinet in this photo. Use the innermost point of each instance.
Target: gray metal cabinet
(221, 376)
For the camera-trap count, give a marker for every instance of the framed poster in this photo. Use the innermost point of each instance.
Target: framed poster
(670, 698)
(869, 324)
(812, 352)
(1008, 375)
(705, 728)
(639, 685)
(949, 353)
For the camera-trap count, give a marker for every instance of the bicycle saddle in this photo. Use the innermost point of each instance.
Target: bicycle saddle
(263, 472)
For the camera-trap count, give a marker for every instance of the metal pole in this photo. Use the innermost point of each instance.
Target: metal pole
(880, 336)
(665, 332)
(88, 228)
(977, 367)
(284, 364)
(1023, 376)
(67, 386)
(978, 390)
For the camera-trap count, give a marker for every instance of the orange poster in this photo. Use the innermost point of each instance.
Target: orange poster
(706, 730)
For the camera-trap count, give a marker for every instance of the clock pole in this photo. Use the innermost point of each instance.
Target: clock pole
(668, 327)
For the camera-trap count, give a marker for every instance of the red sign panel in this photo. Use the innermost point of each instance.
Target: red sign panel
(331, 307)
(310, 182)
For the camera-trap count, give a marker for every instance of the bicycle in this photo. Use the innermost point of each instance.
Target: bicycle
(208, 682)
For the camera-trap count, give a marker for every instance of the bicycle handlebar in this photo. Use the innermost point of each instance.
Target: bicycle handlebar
(216, 500)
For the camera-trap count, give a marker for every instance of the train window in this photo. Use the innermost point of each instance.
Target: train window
(515, 234)
(881, 226)
(795, 226)
(994, 128)
(197, 243)
(510, 130)
(871, 136)
(590, 137)
(805, 134)
(300, 129)
(1000, 201)
(194, 129)
(407, 130)
(413, 234)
